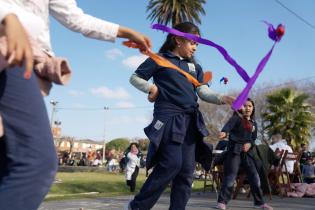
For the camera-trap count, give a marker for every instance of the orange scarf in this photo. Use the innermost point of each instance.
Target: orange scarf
(166, 63)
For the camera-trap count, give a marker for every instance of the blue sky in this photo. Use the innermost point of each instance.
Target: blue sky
(101, 70)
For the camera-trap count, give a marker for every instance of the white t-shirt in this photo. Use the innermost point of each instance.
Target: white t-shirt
(282, 145)
(34, 15)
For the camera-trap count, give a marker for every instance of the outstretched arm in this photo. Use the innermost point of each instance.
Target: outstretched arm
(70, 15)
(206, 94)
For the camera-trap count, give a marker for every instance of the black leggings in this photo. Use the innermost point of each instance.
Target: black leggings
(132, 183)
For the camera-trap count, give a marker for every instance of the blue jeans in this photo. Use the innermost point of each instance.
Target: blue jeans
(28, 161)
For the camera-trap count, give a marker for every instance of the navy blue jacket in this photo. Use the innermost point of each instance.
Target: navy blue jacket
(237, 133)
(170, 113)
(173, 86)
(177, 98)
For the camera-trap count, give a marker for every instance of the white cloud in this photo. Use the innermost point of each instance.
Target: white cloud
(133, 62)
(75, 93)
(113, 53)
(125, 104)
(105, 92)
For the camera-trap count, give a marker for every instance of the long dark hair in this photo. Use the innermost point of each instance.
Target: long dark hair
(252, 116)
(170, 42)
(246, 123)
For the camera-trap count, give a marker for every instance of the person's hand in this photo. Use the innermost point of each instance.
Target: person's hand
(136, 37)
(19, 48)
(246, 147)
(227, 100)
(153, 94)
(222, 135)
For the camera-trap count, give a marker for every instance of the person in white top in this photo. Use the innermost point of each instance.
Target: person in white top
(28, 161)
(281, 144)
(133, 165)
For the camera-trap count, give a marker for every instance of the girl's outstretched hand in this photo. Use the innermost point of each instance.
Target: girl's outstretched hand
(227, 100)
(153, 94)
(143, 41)
(222, 135)
(19, 48)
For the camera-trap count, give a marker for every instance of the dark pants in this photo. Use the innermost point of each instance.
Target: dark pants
(176, 164)
(309, 180)
(231, 167)
(132, 183)
(28, 161)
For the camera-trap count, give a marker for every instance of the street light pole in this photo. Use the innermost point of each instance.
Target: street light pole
(104, 144)
(54, 104)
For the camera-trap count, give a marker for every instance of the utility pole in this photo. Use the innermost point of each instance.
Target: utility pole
(54, 104)
(104, 143)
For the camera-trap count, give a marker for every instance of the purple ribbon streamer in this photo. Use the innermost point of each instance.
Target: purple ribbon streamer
(200, 40)
(242, 97)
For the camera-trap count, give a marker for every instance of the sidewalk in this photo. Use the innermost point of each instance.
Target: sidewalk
(198, 201)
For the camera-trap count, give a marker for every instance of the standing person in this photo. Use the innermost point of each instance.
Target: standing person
(28, 161)
(178, 125)
(242, 131)
(308, 171)
(133, 157)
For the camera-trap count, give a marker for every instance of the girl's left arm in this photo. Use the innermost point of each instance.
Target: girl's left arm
(208, 95)
(70, 15)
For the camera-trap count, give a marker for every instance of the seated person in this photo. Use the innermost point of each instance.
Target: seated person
(278, 143)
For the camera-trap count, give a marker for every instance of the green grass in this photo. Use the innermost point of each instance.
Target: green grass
(78, 184)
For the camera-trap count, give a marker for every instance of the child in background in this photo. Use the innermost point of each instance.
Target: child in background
(133, 158)
(241, 130)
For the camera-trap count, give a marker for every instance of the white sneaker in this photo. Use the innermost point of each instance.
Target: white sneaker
(127, 206)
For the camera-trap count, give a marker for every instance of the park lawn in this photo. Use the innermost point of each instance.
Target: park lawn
(95, 184)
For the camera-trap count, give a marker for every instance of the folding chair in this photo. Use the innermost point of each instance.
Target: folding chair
(296, 174)
(213, 178)
(240, 183)
(277, 173)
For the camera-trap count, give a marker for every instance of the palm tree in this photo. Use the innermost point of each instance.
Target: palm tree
(288, 113)
(175, 11)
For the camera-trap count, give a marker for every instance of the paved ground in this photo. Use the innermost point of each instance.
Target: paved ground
(198, 201)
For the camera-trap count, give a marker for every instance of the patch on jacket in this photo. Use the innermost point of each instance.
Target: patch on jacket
(192, 68)
(158, 125)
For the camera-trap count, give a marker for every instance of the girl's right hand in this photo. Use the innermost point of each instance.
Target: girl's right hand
(19, 47)
(222, 135)
(140, 39)
(153, 94)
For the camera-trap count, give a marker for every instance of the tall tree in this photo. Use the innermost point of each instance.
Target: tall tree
(175, 11)
(288, 113)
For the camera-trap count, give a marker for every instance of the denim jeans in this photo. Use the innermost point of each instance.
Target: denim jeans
(28, 161)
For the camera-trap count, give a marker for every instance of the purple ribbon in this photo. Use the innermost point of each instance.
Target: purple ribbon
(200, 40)
(274, 34)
